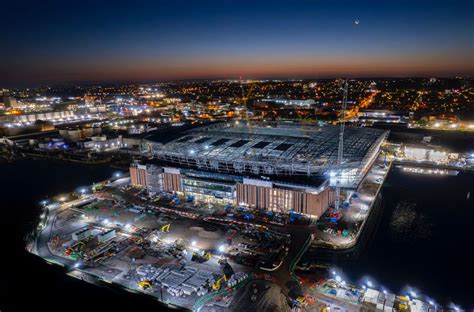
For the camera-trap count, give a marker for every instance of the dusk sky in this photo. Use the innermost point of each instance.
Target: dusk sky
(73, 41)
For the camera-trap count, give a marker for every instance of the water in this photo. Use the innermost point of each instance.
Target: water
(425, 237)
(426, 242)
(26, 281)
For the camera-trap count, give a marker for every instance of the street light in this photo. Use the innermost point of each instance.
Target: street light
(193, 243)
(221, 248)
(76, 265)
(369, 284)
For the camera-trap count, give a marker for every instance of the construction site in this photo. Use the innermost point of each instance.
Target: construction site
(180, 258)
(220, 215)
(278, 167)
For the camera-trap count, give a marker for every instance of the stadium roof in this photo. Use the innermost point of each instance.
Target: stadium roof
(270, 148)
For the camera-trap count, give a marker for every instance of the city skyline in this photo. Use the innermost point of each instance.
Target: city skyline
(89, 42)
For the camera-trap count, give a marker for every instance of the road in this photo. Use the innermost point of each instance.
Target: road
(301, 237)
(365, 103)
(41, 245)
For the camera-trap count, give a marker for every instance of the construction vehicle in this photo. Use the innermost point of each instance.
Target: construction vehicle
(222, 260)
(231, 237)
(227, 269)
(75, 250)
(301, 299)
(166, 227)
(294, 216)
(304, 300)
(97, 187)
(145, 284)
(217, 284)
(402, 306)
(248, 216)
(201, 256)
(403, 303)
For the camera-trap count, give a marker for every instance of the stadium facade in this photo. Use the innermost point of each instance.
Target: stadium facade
(274, 166)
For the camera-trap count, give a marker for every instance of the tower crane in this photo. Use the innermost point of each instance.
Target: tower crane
(340, 149)
(245, 99)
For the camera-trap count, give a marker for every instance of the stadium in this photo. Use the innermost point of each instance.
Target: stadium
(274, 166)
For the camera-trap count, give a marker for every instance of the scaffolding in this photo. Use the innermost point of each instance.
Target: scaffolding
(286, 149)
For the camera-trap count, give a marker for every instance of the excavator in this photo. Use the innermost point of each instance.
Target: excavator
(217, 284)
(145, 284)
(166, 227)
(227, 273)
(201, 256)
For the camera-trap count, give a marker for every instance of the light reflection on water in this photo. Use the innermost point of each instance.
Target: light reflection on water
(422, 238)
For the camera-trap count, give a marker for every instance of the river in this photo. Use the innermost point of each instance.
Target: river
(424, 239)
(27, 281)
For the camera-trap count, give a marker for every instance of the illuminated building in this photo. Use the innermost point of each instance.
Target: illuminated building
(279, 167)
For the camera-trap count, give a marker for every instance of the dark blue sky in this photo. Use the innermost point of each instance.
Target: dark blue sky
(59, 41)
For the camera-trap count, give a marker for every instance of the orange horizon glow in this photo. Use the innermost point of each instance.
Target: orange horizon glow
(303, 67)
